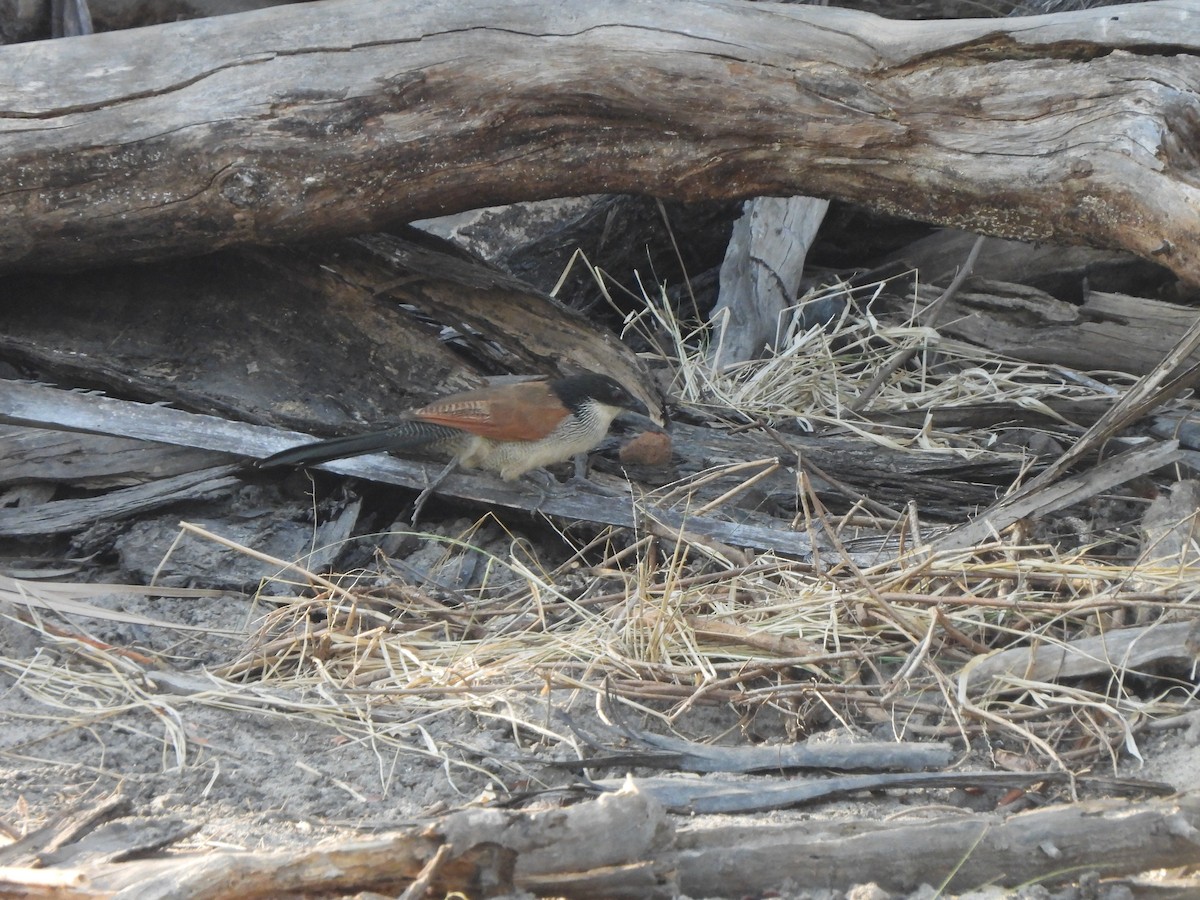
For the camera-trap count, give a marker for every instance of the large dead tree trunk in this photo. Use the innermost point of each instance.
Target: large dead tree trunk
(332, 118)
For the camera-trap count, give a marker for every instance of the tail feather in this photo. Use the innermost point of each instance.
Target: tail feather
(411, 435)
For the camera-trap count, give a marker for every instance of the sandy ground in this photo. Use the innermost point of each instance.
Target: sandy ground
(287, 762)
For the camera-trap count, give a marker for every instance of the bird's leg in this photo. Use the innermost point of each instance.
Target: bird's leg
(579, 478)
(428, 492)
(542, 481)
(549, 486)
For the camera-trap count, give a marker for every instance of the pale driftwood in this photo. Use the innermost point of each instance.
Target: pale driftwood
(91, 460)
(1058, 843)
(760, 276)
(1126, 650)
(617, 846)
(1045, 497)
(39, 406)
(1107, 332)
(326, 118)
(65, 516)
(623, 845)
(720, 795)
(21, 20)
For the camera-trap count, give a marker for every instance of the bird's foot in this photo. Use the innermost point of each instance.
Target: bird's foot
(429, 491)
(549, 486)
(583, 483)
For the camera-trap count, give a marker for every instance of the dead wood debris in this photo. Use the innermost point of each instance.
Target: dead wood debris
(658, 751)
(790, 561)
(742, 486)
(725, 796)
(623, 845)
(926, 96)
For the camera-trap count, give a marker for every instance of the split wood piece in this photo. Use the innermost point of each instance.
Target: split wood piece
(91, 460)
(1042, 499)
(65, 828)
(310, 120)
(1067, 273)
(664, 752)
(1109, 331)
(40, 406)
(300, 337)
(760, 277)
(122, 839)
(615, 847)
(940, 484)
(63, 516)
(1124, 650)
(725, 796)
(487, 307)
(623, 845)
(959, 853)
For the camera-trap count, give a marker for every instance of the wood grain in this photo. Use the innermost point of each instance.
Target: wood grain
(335, 118)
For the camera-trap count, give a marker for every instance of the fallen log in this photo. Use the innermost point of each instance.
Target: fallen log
(959, 853)
(1105, 331)
(346, 351)
(624, 845)
(698, 449)
(337, 118)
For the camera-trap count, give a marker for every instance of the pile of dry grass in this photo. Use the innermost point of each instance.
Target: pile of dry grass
(889, 643)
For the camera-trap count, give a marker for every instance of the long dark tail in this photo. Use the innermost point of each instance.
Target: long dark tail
(405, 436)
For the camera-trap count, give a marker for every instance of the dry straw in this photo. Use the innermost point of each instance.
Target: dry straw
(665, 624)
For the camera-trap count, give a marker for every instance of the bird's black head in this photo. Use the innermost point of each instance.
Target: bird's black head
(578, 390)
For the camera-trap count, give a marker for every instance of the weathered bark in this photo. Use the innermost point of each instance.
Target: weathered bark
(22, 20)
(1051, 844)
(1131, 650)
(327, 118)
(342, 354)
(1067, 273)
(1104, 332)
(761, 275)
(624, 845)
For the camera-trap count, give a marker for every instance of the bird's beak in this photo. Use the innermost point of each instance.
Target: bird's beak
(639, 419)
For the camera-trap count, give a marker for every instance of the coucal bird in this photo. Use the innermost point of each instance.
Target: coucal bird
(508, 429)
